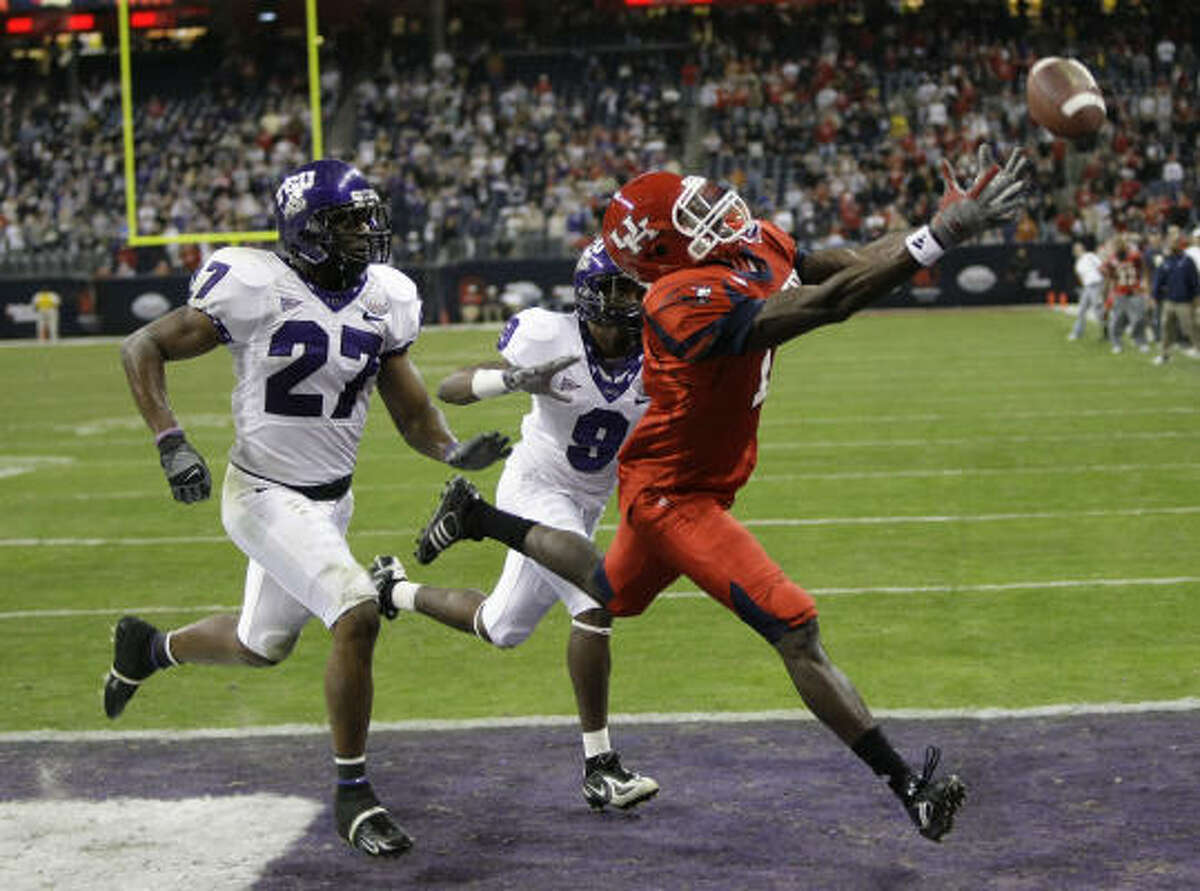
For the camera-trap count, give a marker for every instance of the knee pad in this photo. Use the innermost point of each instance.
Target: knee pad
(271, 646)
(507, 638)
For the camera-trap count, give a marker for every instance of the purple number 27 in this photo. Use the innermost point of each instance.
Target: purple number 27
(314, 343)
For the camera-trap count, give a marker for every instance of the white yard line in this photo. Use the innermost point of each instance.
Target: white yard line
(995, 587)
(895, 519)
(424, 725)
(923, 473)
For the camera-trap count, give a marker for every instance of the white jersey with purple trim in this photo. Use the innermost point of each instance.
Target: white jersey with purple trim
(573, 445)
(304, 360)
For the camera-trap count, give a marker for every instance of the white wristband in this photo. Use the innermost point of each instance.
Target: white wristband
(924, 247)
(487, 382)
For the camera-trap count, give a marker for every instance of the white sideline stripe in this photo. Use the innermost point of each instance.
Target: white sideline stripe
(673, 595)
(512, 722)
(764, 523)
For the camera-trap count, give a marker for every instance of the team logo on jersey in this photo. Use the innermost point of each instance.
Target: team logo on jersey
(375, 303)
(291, 195)
(287, 304)
(698, 294)
(568, 383)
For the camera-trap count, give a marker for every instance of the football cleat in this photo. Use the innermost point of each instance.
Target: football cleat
(131, 663)
(447, 525)
(385, 571)
(607, 782)
(932, 804)
(365, 825)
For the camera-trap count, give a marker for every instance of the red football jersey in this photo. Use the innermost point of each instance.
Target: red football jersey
(1126, 274)
(700, 433)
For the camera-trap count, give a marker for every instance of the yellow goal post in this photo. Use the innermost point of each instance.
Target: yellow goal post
(313, 42)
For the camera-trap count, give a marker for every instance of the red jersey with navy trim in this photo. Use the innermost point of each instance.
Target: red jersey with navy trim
(1126, 274)
(701, 430)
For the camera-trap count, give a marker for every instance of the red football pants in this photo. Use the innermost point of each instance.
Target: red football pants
(662, 537)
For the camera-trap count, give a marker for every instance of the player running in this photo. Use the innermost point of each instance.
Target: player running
(724, 291)
(312, 330)
(561, 473)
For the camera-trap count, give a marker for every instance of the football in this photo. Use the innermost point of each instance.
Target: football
(1063, 97)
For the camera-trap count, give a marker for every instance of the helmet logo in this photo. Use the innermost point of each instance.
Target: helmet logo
(632, 235)
(290, 196)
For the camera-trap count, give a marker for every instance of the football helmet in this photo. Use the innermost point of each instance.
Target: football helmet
(660, 222)
(329, 217)
(603, 293)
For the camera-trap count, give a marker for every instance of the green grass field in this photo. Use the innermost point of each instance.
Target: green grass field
(988, 515)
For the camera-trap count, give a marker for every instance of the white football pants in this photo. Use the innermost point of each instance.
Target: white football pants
(300, 564)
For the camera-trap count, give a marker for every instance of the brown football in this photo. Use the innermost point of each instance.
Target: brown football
(1063, 97)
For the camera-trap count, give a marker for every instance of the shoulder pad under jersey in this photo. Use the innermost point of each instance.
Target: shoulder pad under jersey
(253, 267)
(399, 287)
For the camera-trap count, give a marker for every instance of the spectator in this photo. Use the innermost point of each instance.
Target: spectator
(1176, 287)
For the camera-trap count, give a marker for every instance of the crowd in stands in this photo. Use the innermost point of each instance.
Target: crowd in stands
(832, 122)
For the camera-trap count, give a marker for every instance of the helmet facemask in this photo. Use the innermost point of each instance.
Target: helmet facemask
(614, 300)
(709, 215)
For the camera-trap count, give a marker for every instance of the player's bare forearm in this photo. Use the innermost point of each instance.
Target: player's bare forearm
(180, 334)
(455, 388)
(795, 311)
(418, 420)
(816, 267)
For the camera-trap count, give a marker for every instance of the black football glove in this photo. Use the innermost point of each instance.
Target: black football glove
(187, 474)
(478, 451)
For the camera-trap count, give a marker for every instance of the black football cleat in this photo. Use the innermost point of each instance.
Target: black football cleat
(932, 804)
(365, 825)
(607, 782)
(385, 571)
(131, 663)
(447, 525)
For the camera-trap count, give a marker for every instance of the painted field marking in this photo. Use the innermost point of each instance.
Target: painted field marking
(121, 843)
(918, 441)
(677, 595)
(925, 441)
(923, 473)
(782, 522)
(1054, 710)
(799, 420)
(15, 465)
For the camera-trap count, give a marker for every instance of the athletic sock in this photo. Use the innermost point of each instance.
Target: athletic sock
(160, 651)
(351, 773)
(874, 749)
(595, 742)
(485, 521)
(404, 595)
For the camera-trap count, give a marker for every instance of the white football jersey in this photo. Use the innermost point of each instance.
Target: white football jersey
(304, 360)
(573, 444)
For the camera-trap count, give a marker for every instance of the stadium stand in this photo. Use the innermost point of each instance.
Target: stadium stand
(831, 122)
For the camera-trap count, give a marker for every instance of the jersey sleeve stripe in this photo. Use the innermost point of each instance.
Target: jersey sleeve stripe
(734, 328)
(395, 351)
(222, 331)
(683, 349)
